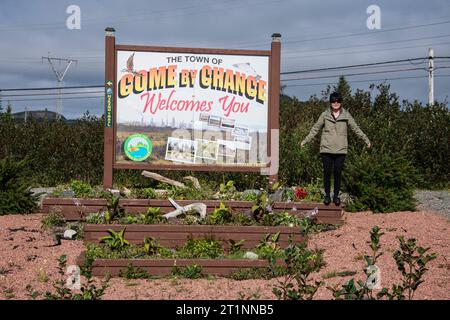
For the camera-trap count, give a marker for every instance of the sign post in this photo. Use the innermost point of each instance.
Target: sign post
(108, 130)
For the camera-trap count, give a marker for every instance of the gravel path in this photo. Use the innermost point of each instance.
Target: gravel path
(438, 201)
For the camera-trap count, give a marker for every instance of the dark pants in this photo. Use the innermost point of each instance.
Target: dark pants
(332, 160)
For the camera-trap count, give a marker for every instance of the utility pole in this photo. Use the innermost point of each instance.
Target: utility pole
(60, 77)
(430, 76)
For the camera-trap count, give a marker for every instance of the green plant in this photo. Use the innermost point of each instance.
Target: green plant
(87, 292)
(153, 215)
(95, 218)
(250, 196)
(116, 240)
(151, 246)
(149, 193)
(314, 191)
(81, 189)
(15, 196)
(261, 207)
(235, 247)
(288, 194)
(206, 247)
(129, 219)
(251, 273)
(380, 182)
(113, 210)
(227, 188)
(42, 275)
(31, 292)
(133, 272)
(268, 247)
(412, 262)
(335, 274)
(54, 219)
(300, 264)
(242, 219)
(363, 290)
(9, 293)
(286, 219)
(221, 215)
(263, 204)
(191, 272)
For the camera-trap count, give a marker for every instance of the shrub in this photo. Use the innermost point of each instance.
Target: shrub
(380, 181)
(87, 292)
(411, 261)
(53, 219)
(81, 189)
(300, 264)
(15, 196)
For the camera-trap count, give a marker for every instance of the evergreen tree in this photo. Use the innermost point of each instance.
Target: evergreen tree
(15, 196)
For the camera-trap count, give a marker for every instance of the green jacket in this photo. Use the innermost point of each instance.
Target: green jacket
(334, 134)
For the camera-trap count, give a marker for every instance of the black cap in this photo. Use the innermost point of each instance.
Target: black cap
(335, 96)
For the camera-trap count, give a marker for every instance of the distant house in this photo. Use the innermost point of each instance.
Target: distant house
(39, 115)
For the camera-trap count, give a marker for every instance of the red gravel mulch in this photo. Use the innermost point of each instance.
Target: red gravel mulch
(27, 258)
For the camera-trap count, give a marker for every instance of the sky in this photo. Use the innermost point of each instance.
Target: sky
(314, 35)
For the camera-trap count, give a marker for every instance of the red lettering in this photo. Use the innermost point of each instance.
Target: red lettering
(148, 102)
(233, 106)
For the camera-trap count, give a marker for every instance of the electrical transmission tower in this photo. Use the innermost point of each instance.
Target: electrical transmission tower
(59, 76)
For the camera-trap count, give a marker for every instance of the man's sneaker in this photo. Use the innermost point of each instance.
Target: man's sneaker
(337, 201)
(327, 200)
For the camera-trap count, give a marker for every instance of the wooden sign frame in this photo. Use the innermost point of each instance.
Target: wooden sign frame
(111, 49)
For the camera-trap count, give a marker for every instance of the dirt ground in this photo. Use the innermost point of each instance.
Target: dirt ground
(29, 259)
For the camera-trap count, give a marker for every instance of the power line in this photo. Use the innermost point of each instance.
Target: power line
(370, 80)
(351, 66)
(369, 45)
(370, 32)
(366, 33)
(50, 94)
(49, 99)
(53, 88)
(357, 74)
(372, 50)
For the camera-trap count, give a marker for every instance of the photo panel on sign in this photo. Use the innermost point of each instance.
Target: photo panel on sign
(181, 150)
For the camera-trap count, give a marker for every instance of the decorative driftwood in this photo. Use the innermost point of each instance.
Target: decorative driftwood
(159, 177)
(194, 181)
(312, 213)
(199, 207)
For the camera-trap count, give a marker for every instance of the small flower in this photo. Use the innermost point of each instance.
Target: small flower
(300, 193)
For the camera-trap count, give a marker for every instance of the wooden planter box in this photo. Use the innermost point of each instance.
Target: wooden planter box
(176, 235)
(75, 209)
(163, 267)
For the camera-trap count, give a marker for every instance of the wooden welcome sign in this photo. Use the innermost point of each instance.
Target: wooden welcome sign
(190, 108)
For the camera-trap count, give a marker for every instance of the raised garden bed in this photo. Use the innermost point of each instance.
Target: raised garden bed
(176, 235)
(75, 209)
(163, 267)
